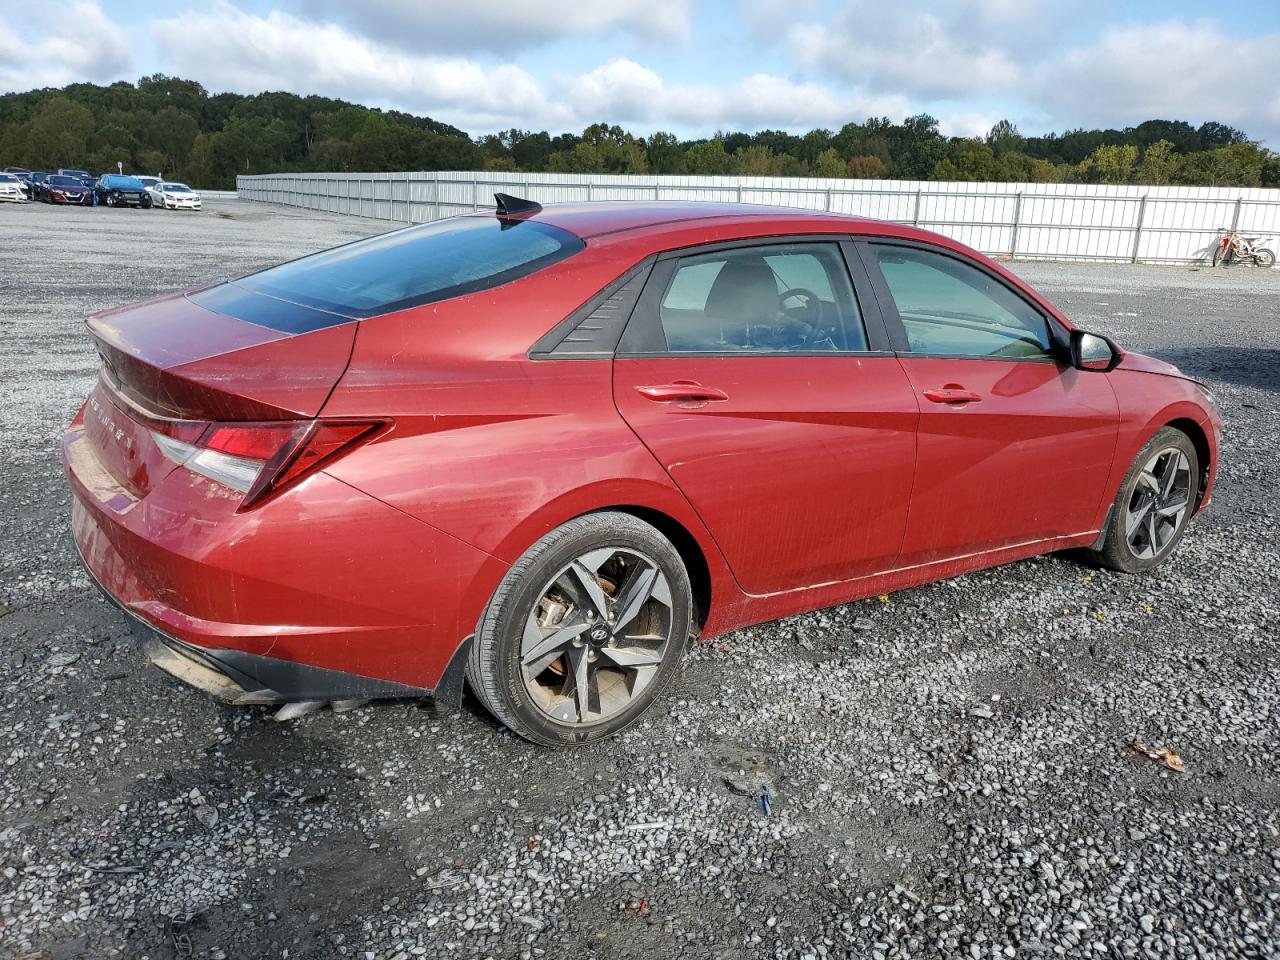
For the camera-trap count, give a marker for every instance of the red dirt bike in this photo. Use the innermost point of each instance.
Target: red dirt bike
(1234, 248)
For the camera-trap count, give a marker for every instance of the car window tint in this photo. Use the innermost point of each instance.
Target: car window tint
(788, 298)
(951, 308)
(416, 265)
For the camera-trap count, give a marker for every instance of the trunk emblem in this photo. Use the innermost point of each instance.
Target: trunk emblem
(109, 423)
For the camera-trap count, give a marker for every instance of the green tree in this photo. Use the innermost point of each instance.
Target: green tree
(756, 161)
(1159, 164)
(1042, 171)
(665, 155)
(1109, 164)
(1237, 165)
(1004, 137)
(867, 167)
(58, 134)
(707, 158)
(829, 163)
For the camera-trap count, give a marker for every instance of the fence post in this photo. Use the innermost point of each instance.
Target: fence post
(657, 195)
(1137, 230)
(475, 193)
(915, 219)
(739, 193)
(435, 195)
(588, 191)
(1017, 217)
(1235, 214)
(828, 207)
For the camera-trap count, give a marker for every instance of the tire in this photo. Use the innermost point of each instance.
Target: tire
(544, 607)
(1219, 253)
(1264, 257)
(145, 202)
(1147, 496)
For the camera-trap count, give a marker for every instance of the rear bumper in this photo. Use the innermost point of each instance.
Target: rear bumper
(239, 678)
(323, 594)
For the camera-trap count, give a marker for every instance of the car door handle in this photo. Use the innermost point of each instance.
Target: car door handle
(952, 393)
(681, 390)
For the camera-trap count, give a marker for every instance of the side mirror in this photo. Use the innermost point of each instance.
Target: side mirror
(1091, 351)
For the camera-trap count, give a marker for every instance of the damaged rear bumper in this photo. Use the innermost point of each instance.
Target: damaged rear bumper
(236, 677)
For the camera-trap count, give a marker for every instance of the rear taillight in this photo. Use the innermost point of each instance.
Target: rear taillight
(261, 459)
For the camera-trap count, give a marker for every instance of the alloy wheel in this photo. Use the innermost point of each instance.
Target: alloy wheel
(1158, 504)
(597, 636)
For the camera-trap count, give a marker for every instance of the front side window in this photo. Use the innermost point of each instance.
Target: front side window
(950, 308)
(780, 298)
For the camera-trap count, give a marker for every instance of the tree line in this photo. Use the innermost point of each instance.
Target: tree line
(173, 127)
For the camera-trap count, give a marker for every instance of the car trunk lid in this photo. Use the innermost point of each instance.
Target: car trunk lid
(171, 366)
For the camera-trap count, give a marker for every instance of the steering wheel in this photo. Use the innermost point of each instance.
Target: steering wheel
(811, 308)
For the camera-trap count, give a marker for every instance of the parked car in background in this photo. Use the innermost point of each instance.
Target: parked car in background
(175, 196)
(63, 189)
(24, 178)
(11, 189)
(36, 181)
(542, 448)
(84, 176)
(120, 190)
(149, 183)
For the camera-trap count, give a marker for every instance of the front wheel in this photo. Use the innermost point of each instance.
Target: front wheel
(145, 202)
(1220, 253)
(1153, 506)
(584, 631)
(1264, 257)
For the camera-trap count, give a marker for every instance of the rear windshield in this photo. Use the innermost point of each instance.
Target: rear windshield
(408, 268)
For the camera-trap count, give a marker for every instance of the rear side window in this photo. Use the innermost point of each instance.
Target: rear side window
(781, 298)
(411, 267)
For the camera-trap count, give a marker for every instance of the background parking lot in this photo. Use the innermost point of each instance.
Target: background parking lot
(947, 766)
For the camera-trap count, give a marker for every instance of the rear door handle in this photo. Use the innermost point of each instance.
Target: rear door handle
(952, 393)
(681, 390)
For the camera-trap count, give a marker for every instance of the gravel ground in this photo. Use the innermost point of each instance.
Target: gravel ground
(947, 767)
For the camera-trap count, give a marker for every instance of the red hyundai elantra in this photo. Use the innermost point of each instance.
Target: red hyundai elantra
(541, 449)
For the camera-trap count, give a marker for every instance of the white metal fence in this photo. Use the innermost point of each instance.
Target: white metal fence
(1055, 221)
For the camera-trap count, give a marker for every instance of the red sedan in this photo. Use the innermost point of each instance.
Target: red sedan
(539, 450)
(67, 190)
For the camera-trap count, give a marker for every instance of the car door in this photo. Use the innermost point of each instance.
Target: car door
(749, 372)
(1015, 444)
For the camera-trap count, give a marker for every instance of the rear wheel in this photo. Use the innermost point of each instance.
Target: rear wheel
(1265, 258)
(1154, 504)
(584, 631)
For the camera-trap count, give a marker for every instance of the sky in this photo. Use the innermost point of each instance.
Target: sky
(691, 67)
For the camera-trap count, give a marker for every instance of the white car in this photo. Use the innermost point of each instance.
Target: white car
(174, 196)
(11, 188)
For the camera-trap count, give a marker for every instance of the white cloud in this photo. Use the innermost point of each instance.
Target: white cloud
(79, 44)
(1171, 70)
(623, 91)
(227, 48)
(618, 90)
(968, 123)
(949, 51)
(505, 26)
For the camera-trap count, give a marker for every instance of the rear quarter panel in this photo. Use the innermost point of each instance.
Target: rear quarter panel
(490, 446)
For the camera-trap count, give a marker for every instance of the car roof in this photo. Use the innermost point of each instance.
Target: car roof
(594, 219)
